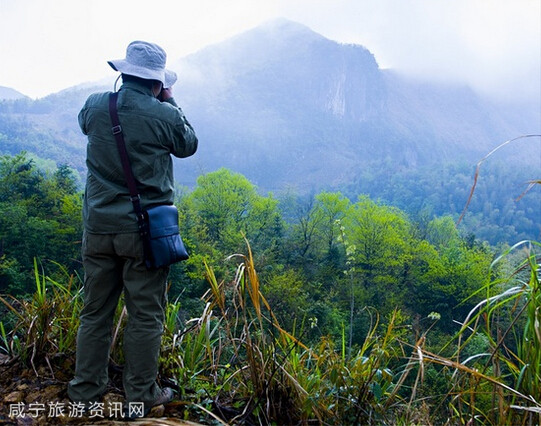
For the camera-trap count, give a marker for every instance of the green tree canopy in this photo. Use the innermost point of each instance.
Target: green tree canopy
(40, 217)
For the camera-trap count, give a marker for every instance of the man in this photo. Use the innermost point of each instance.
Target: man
(154, 128)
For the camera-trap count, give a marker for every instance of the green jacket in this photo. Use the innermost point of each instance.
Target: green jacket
(153, 131)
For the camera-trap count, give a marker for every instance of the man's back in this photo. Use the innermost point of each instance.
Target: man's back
(153, 131)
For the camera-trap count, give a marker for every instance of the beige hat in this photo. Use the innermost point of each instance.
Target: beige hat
(145, 60)
(170, 79)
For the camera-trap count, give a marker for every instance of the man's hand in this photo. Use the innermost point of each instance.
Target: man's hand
(166, 94)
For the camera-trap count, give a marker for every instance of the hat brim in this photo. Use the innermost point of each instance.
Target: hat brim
(124, 67)
(170, 79)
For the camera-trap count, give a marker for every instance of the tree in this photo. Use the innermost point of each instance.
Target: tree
(332, 207)
(40, 217)
(225, 208)
(444, 271)
(287, 294)
(378, 246)
(381, 236)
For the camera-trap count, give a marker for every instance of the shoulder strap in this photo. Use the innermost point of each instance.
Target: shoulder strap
(121, 144)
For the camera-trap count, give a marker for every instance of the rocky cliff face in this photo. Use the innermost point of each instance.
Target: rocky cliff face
(286, 106)
(283, 104)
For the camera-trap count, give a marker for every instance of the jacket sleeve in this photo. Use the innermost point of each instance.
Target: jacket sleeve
(184, 141)
(82, 120)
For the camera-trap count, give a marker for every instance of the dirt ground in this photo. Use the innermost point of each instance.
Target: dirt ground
(37, 396)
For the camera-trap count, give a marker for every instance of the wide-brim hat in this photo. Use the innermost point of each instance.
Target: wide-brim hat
(170, 79)
(145, 60)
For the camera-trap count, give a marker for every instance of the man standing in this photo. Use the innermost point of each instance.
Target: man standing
(154, 128)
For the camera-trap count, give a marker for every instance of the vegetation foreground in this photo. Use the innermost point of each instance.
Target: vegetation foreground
(336, 313)
(236, 364)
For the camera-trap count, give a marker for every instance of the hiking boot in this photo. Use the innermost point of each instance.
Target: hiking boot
(136, 411)
(166, 395)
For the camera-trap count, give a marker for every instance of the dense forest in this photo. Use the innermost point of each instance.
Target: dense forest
(501, 212)
(341, 290)
(316, 253)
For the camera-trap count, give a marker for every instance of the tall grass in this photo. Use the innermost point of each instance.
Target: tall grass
(235, 364)
(239, 363)
(502, 384)
(46, 324)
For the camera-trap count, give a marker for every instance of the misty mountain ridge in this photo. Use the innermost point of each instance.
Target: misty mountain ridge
(9, 94)
(282, 104)
(286, 106)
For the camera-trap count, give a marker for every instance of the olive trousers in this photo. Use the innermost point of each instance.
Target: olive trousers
(114, 264)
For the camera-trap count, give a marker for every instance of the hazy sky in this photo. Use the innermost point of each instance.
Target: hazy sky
(493, 45)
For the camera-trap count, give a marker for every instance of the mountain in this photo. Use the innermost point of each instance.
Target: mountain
(7, 93)
(285, 106)
(46, 128)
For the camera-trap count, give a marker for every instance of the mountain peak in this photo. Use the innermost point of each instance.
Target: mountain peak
(7, 93)
(275, 42)
(283, 27)
(286, 57)
(274, 35)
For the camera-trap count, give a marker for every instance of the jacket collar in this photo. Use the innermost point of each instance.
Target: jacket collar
(137, 87)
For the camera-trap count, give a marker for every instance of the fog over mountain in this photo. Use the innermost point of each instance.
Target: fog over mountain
(285, 106)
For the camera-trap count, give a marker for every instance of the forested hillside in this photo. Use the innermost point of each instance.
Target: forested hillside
(505, 208)
(320, 307)
(290, 109)
(316, 253)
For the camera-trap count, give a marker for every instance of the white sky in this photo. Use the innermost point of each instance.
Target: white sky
(493, 45)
